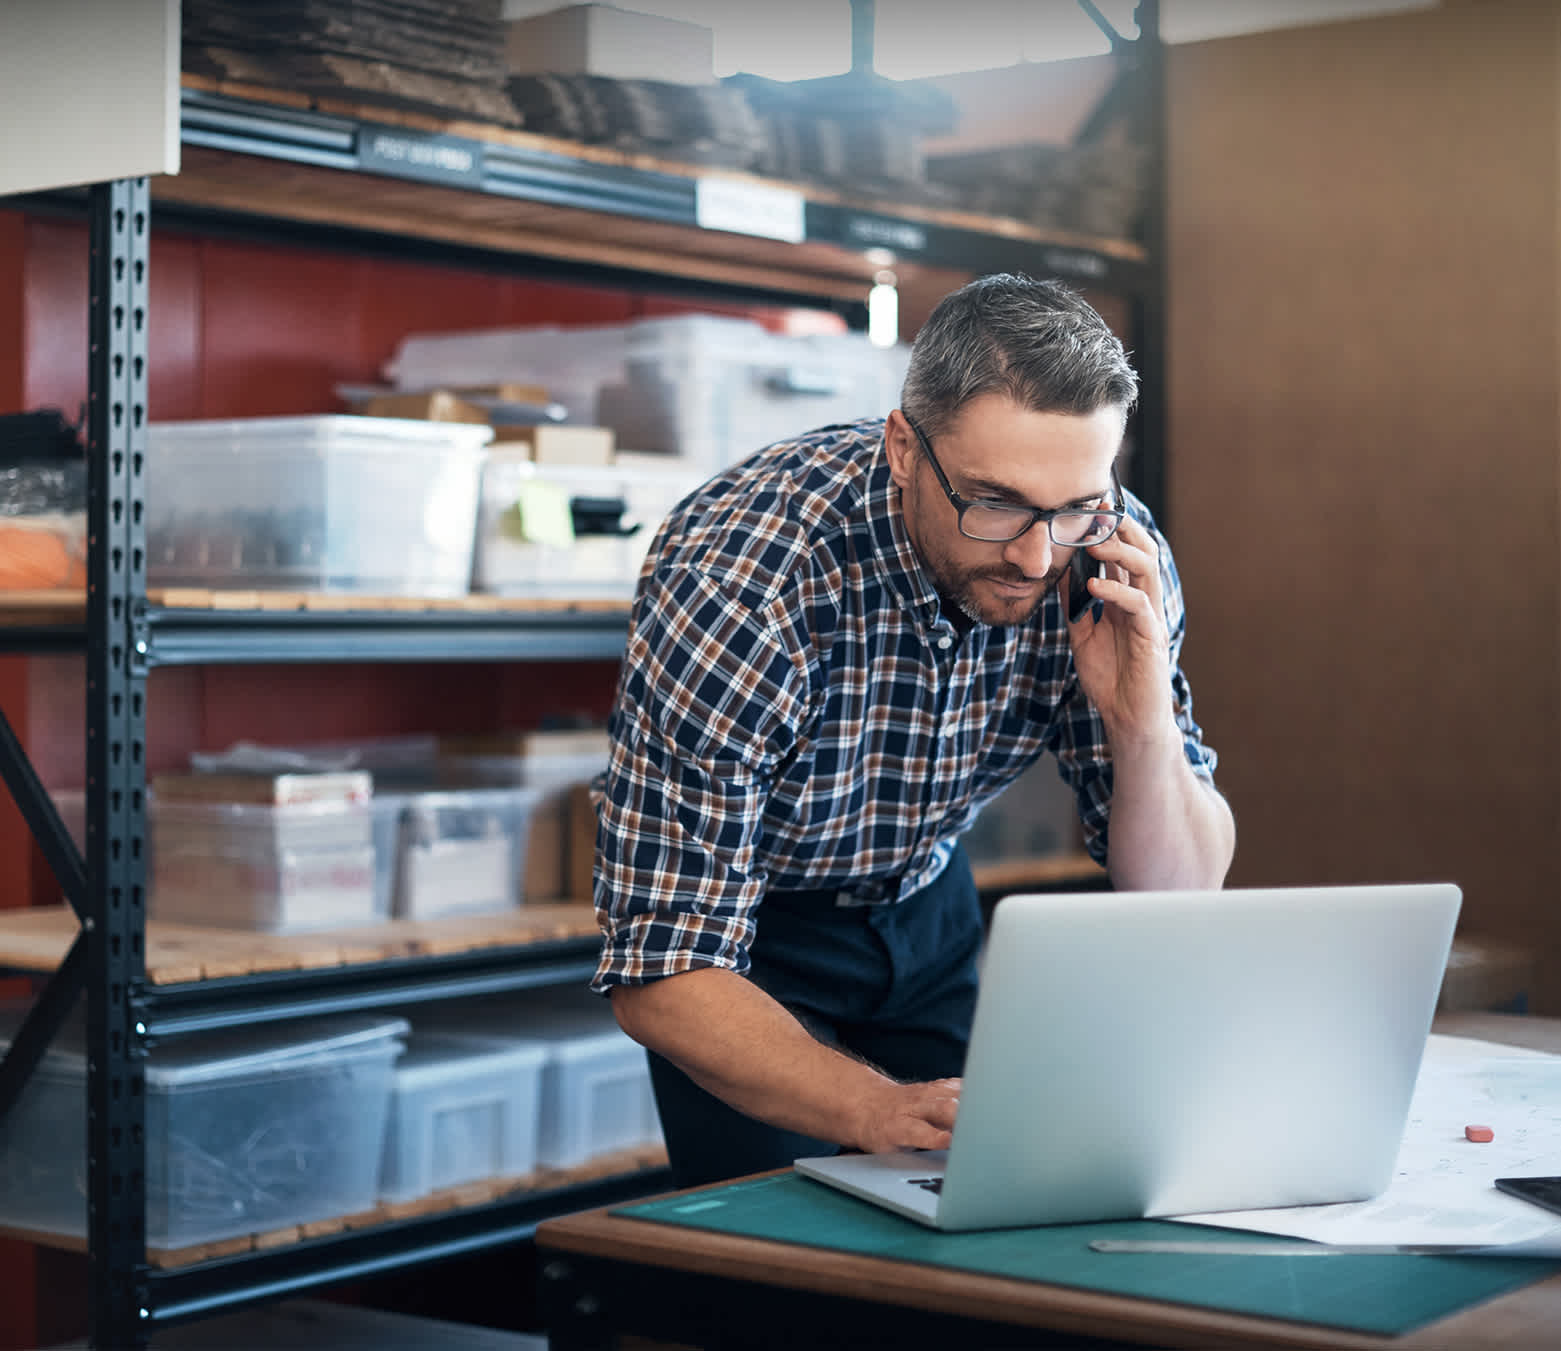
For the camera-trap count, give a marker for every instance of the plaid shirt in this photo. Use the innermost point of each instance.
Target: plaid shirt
(796, 712)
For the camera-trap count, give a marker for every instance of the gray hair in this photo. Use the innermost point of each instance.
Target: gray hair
(1038, 342)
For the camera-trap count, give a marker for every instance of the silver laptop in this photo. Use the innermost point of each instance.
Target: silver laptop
(1167, 1053)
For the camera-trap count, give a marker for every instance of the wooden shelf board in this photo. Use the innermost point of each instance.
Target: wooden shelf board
(621, 1163)
(25, 608)
(37, 940)
(19, 608)
(1046, 870)
(346, 602)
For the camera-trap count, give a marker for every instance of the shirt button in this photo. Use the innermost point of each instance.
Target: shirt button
(945, 642)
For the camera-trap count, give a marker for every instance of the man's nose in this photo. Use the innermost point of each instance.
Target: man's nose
(1031, 553)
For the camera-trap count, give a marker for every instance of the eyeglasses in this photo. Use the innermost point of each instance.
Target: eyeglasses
(999, 522)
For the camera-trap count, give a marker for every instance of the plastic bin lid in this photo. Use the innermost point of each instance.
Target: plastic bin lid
(219, 1055)
(262, 434)
(582, 1044)
(433, 1056)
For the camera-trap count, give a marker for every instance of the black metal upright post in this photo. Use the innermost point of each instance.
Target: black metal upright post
(116, 693)
(1148, 310)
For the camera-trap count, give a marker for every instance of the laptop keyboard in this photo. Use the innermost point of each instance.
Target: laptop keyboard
(931, 1184)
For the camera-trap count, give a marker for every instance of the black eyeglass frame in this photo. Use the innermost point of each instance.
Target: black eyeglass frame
(963, 504)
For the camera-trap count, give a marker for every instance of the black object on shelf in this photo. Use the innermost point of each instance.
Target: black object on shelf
(40, 434)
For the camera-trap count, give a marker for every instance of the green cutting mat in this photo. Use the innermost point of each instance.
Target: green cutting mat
(1368, 1293)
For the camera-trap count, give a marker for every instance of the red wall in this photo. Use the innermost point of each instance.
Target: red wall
(242, 329)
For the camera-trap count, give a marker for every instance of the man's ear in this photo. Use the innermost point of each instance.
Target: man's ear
(900, 445)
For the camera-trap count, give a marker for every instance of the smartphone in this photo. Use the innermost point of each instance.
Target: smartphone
(1542, 1191)
(1079, 598)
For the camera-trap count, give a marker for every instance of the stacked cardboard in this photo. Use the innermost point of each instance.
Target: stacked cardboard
(430, 55)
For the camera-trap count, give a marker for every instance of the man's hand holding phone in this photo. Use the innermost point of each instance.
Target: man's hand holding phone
(1121, 647)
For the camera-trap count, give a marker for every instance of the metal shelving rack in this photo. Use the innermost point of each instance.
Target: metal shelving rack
(124, 636)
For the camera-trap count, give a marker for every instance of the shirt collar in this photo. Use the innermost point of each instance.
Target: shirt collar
(893, 553)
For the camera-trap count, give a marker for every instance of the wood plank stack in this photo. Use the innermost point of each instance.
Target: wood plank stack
(694, 124)
(443, 56)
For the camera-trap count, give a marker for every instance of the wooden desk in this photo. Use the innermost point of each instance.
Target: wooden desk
(604, 1275)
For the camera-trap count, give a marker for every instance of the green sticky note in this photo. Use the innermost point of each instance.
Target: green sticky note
(540, 515)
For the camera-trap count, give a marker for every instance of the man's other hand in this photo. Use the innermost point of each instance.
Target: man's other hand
(909, 1116)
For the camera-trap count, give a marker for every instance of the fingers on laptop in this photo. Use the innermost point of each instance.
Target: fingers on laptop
(913, 1116)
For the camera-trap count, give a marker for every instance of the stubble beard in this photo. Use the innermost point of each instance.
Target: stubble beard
(967, 597)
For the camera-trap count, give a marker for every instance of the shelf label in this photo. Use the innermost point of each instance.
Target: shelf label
(749, 209)
(429, 158)
(879, 232)
(1075, 263)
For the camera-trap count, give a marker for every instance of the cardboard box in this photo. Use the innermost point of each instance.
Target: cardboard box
(552, 444)
(568, 741)
(437, 405)
(272, 790)
(555, 762)
(617, 43)
(580, 849)
(508, 391)
(547, 869)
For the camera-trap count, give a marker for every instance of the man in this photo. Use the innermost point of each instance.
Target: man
(842, 647)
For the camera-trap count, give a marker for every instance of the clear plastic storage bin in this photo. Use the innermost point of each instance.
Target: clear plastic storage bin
(596, 1097)
(596, 565)
(452, 851)
(245, 1132)
(711, 388)
(571, 363)
(372, 505)
(596, 1093)
(713, 394)
(462, 1110)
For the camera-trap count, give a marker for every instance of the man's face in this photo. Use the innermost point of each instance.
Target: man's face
(996, 451)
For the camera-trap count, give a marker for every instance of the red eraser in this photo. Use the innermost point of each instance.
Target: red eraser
(1481, 1135)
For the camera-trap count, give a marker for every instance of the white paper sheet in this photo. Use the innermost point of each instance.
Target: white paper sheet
(1442, 1189)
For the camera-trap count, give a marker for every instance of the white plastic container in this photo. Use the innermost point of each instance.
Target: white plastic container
(271, 869)
(570, 363)
(595, 1089)
(245, 1132)
(462, 1110)
(711, 388)
(595, 1094)
(714, 396)
(598, 566)
(379, 506)
(453, 851)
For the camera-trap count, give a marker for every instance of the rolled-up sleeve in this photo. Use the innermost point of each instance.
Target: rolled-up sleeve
(707, 706)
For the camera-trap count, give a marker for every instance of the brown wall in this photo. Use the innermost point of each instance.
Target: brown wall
(1363, 449)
